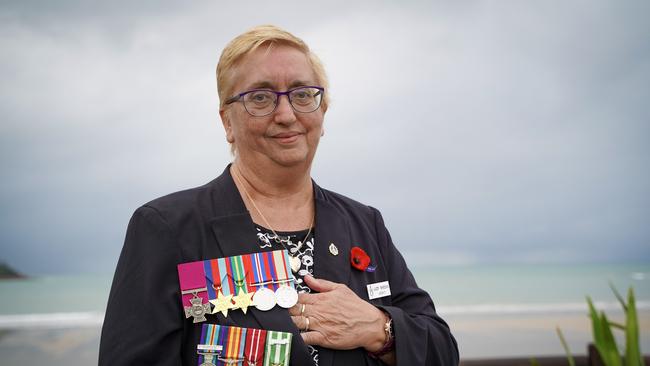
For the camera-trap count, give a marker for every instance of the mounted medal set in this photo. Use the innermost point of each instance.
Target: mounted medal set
(213, 286)
(229, 345)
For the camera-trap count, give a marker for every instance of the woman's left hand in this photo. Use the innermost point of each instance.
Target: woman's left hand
(338, 318)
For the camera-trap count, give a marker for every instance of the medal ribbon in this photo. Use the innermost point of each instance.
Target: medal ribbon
(249, 272)
(234, 341)
(260, 271)
(209, 334)
(282, 265)
(269, 268)
(225, 272)
(192, 276)
(214, 277)
(255, 341)
(287, 266)
(278, 348)
(238, 274)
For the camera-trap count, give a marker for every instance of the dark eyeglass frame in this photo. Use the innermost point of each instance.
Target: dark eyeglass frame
(238, 98)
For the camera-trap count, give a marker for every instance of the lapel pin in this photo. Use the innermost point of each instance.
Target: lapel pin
(360, 260)
(333, 249)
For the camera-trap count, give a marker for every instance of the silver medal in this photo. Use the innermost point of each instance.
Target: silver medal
(264, 299)
(197, 310)
(286, 296)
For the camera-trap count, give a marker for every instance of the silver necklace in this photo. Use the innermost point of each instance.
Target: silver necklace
(295, 261)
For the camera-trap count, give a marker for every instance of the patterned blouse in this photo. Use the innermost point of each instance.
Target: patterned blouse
(298, 246)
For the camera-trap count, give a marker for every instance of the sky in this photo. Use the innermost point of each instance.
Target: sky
(484, 131)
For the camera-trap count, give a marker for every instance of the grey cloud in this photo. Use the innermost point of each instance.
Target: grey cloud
(483, 132)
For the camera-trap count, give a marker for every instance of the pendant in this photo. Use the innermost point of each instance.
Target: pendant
(295, 264)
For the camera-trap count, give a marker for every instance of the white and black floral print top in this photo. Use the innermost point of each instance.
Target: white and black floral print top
(298, 246)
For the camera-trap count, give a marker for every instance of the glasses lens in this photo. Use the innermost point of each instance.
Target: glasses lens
(305, 99)
(260, 102)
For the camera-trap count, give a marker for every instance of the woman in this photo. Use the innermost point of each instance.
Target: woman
(273, 93)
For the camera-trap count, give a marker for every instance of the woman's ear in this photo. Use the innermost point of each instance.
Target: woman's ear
(227, 126)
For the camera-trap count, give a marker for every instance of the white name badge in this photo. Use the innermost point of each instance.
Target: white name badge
(377, 290)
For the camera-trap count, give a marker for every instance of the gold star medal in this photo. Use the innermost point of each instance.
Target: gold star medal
(222, 303)
(243, 300)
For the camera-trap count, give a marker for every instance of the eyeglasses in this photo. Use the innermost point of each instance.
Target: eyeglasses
(262, 102)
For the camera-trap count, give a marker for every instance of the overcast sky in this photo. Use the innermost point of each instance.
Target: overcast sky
(485, 131)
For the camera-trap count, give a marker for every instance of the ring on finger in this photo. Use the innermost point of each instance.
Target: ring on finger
(306, 324)
(302, 309)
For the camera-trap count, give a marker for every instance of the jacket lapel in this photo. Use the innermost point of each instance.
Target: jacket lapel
(332, 251)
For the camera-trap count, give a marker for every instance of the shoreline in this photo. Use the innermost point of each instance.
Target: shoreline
(480, 336)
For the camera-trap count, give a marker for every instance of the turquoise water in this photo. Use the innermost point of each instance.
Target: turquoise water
(532, 284)
(454, 289)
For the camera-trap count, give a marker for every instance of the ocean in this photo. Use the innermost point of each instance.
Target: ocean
(473, 289)
(493, 310)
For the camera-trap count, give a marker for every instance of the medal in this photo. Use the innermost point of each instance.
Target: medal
(222, 303)
(207, 352)
(230, 345)
(286, 296)
(278, 348)
(233, 340)
(254, 351)
(194, 296)
(197, 309)
(264, 299)
(243, 299)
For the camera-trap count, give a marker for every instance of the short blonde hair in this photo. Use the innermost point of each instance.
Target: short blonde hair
(248, 42)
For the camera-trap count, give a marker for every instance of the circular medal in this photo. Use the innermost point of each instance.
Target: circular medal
(264, 299)
(286, 296)
(295, 264)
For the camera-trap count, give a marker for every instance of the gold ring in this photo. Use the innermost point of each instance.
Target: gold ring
(306, 324)
(302, 309)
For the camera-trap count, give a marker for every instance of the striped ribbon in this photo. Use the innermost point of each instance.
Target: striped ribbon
(255, 342)
(214, 277)
(263, 269)
(283, 266)
(224, 273)
(278, 348)
(232, 339)
(238, 274)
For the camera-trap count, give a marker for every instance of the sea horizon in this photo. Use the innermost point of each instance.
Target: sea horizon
(494, 310)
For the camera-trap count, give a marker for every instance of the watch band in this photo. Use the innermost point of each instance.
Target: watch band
(389, 345)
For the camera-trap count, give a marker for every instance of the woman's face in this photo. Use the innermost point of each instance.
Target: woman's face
(284, 137)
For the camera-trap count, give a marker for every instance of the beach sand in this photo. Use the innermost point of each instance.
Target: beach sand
(479, 336)
(524, 335)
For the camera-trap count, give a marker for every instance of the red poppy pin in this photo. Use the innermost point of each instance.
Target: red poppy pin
(360, 260)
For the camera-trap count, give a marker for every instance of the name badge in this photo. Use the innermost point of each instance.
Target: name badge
(377, 290)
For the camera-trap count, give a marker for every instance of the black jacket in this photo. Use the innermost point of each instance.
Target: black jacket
(145, 322)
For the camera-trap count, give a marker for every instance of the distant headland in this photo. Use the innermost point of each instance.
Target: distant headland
(8, 273)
